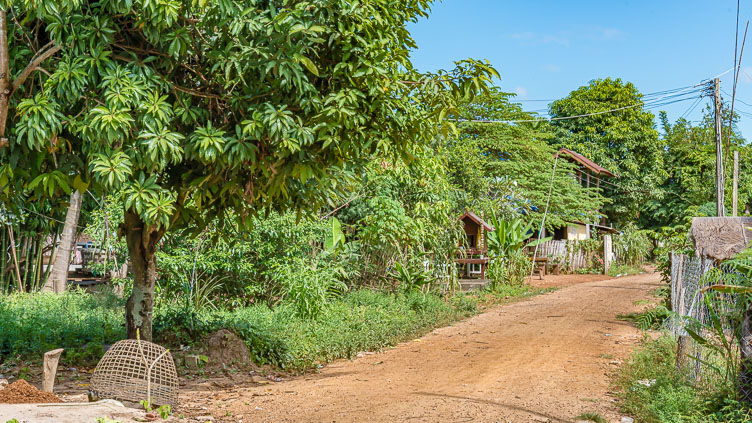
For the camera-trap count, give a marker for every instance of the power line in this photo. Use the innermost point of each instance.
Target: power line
(676, 95)
(691, 108)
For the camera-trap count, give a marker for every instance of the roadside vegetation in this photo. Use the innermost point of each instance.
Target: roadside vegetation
(362, 320)
(663, 382)
(293, 178)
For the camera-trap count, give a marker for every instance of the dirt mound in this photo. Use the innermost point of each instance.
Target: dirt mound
(224, 347)
(21, 392)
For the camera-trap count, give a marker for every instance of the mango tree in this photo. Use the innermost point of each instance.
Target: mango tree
(194, 110)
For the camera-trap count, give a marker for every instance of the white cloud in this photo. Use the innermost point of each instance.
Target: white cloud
(523, 36)
(552, 68)
(521, 92)
(610, 33)
(565, 38)
(556, 39)
(560, 38)
(745, 74)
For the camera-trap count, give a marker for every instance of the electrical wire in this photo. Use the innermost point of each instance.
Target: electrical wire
(691, 108)
(669, 97)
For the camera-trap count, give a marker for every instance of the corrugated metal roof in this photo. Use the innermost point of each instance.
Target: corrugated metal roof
(589, 164)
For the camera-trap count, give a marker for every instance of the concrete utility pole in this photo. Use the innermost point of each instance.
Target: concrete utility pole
(735, 193)
(719, 181)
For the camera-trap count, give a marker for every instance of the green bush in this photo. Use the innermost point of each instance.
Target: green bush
(509, 270)
(632, 246)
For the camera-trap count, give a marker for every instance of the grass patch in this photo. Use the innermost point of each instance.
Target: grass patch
(650, 318)
(625, 270)
(362, 320)
(591, 417)
(653, 391)
(31, 324)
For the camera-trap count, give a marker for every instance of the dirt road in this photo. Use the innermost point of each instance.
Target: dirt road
(547, 359)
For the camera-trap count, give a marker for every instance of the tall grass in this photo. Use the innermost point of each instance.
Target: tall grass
(38, 322)
(654, 391)
(363, 320)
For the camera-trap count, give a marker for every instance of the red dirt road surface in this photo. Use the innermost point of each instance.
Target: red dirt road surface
(547, 359)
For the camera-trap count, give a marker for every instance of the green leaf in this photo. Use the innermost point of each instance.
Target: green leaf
(309, 65)
(79, 184)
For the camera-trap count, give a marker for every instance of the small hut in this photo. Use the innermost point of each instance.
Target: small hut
(474, 255)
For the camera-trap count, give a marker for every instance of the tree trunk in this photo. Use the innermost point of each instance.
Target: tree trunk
(59, 276)
(15, 257)
(4, 76)
(142, 242)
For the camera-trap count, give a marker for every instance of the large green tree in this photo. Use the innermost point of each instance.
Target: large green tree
(689, 157)
(507, 167)
(192, 108)
(624, 141)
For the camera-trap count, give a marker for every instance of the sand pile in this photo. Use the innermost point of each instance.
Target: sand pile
(21, 392)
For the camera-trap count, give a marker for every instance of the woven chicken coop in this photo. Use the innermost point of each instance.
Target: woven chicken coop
(132, 372)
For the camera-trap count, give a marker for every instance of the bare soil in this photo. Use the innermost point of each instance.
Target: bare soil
(547, 359)
(22, 392)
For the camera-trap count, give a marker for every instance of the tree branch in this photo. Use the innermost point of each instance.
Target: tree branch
(33, 65)
(194, 92)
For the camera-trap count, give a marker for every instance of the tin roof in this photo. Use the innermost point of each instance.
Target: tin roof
(589, 164)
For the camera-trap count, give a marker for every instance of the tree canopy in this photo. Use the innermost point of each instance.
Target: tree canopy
(193, 108)
(507, 167)
(624, 141)
(689, 156)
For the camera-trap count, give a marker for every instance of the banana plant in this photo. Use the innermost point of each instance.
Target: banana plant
(508, 237)
(335, 238)
(411, 280)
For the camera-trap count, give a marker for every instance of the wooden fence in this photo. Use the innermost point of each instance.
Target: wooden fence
(572, 257)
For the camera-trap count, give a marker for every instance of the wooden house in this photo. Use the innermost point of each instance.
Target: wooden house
(588, 174)
(473, 256)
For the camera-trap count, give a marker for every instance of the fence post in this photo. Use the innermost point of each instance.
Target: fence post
(606, 254)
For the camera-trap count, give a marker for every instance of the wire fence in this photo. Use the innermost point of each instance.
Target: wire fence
(689, 275)
(688, 306)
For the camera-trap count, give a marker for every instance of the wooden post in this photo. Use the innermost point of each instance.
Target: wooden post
(719, 180)
(606, 254)
(49, 371)
(735, 192)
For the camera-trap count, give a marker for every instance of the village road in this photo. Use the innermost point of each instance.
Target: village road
(546, 359)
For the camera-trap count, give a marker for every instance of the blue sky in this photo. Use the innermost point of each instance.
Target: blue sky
(545, 49)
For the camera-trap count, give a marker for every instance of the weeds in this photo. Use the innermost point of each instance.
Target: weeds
(625, 270)
(362, 320)
(591, 417)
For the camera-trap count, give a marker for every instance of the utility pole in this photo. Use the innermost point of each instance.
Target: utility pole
(719, 182)
(735, 194)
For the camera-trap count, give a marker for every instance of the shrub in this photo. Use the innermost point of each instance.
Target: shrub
(508, 270)
(632, 246)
